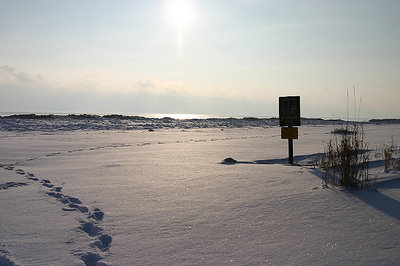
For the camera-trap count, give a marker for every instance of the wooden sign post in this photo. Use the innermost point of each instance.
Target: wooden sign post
(289, 116)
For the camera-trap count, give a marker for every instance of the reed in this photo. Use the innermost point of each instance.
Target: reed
(346, 158)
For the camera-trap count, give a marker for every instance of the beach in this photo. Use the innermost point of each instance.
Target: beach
(151, 195)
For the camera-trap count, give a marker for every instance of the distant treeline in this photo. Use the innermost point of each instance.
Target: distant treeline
(386, 121)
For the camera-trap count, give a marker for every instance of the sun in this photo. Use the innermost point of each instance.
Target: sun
(180, 12)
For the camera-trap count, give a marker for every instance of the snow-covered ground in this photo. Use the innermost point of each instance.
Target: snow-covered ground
(164, 197)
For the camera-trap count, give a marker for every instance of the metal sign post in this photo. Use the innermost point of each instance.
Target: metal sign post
(289, 116)
(290, 145)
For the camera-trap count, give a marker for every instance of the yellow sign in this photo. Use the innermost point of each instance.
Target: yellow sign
(289, 133)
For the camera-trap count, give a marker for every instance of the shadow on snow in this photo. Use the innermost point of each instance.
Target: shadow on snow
(374, 197)
(371, 197)
(304, 160)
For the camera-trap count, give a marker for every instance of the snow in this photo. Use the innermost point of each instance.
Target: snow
(120, 197)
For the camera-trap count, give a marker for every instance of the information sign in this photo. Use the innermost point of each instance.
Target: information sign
(289, 132)
(289, 111)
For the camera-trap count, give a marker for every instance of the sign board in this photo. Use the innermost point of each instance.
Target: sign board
(289, 111)
(289, 132)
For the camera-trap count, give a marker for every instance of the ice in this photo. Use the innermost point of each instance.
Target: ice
(135, 197)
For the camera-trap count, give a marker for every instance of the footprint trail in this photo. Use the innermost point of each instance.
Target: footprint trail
(89, 223)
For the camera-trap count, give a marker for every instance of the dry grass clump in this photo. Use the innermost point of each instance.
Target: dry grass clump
(346, 159)
(389, 153)
(342, 130)
(396, 165)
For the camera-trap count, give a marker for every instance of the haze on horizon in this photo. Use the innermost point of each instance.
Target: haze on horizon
(220, 57)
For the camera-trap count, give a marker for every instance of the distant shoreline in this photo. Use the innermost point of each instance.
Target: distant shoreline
(179, 117)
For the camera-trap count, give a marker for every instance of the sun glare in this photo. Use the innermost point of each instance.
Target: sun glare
(180, 12)
(180, 116)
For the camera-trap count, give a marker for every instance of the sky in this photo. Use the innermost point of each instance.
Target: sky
(213, 57)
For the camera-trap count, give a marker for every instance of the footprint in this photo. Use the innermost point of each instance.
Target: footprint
(97, 214)
(53, 154)
(20, 171)
(12, 184)
(57, 189)
(78, 207)
(68, 209)
(143, 144)
(74, 200)
(64, 200)
(91, 259)
(104, 242)
(55, 194)
(101, 241)
(47, 185)
(90, 228)
(5, 258)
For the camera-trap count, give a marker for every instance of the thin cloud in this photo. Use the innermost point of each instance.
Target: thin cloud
(9, 74)
(145, 84)
(93, 75)
(105, 84)
(154, 86)
(103, 92)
